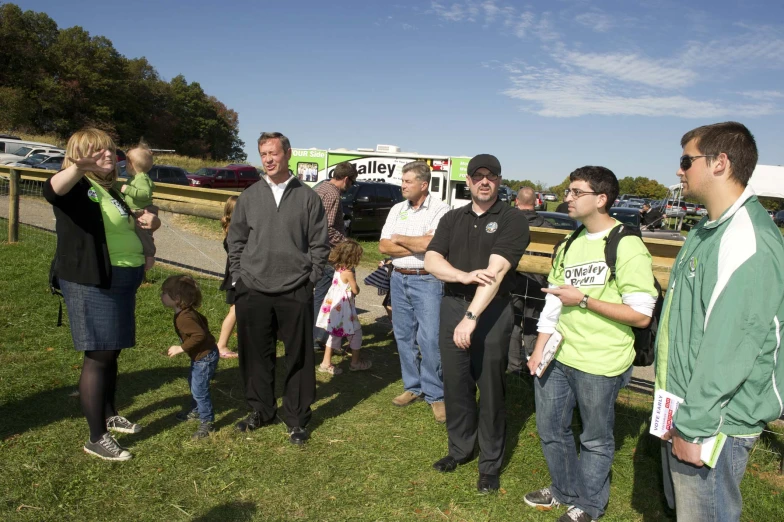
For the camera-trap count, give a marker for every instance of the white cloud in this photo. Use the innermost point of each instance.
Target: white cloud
(599, 22)
(520, 23)
(551, 92)
(457, 12)
(575, 80)
(762, 95)
(631, 68)
(759, 47)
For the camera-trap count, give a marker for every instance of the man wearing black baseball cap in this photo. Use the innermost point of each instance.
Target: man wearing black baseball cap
(475, 251)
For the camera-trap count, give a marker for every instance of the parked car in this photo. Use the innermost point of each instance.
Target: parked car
(691, 208)
(169, 174)
(26, 150)
(231, 177)
(671, 207)
(560, 221)
(549, 196)
(632, 203)
(701, 210)
(42, 160)
(624, 197)
(506, 194)
(631, 217)
(9, 137)
(366, 206)
(540, 203)
(779, 218)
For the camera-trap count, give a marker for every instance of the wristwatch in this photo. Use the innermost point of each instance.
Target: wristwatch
(583, 302)
(471, 316)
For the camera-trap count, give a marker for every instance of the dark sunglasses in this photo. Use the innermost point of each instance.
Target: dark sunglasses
(476, 178)
(687, 161)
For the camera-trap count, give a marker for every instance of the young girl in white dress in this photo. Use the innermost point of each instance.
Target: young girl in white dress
(338, 313)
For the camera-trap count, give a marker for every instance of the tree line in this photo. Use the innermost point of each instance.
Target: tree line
(57, 81)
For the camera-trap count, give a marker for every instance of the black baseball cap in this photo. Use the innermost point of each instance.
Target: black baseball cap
(487, 161)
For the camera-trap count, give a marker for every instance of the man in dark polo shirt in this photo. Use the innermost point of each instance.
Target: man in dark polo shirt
(475, 251)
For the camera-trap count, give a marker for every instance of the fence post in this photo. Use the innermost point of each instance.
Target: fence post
(13, 207)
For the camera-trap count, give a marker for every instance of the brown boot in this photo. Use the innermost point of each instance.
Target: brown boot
(406, 398)
(439, 412)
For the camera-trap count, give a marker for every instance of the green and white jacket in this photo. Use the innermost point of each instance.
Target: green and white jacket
(719, 339)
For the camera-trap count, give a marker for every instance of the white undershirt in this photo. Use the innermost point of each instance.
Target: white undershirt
(278, 188)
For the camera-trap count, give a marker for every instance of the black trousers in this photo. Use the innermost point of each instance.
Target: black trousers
(483, 365)
(261, 320)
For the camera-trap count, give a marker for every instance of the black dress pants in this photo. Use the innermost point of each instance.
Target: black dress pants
(261, 320)
(483, 365)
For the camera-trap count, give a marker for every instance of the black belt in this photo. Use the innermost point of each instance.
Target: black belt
(412, 271)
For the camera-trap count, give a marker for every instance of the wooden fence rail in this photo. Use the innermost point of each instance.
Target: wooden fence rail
(209, 203)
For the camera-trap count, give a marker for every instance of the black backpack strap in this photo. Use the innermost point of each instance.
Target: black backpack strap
(612, 241)
(568, 240)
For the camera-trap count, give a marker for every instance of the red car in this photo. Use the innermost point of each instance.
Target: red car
(231, 177)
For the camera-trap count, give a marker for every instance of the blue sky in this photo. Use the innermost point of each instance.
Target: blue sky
(545, 86)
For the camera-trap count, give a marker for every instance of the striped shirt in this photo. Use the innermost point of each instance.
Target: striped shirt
(405, 220)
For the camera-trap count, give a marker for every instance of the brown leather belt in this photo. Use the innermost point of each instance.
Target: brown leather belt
(412, 271)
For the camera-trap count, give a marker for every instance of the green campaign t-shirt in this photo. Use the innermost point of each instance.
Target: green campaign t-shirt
(592, 343)
(125, 248)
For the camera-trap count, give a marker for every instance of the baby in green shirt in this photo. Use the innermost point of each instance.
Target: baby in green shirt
(138, 191)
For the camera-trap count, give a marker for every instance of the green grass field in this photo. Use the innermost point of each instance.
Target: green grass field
(367, 460)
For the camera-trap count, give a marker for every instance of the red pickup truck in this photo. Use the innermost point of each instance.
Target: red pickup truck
(231, 177)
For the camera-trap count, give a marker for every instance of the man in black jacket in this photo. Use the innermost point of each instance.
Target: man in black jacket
(527, 296)
(278, 247)
(650, 218)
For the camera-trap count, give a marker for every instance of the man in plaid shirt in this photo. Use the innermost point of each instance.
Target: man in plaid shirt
(343, 177)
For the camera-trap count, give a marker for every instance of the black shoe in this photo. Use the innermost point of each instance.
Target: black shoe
(204, 430)
(449, 463)
(487, 483)
(298, 435)
(253, 421)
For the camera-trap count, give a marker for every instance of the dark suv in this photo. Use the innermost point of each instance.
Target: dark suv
(366, 206)
(169, 174)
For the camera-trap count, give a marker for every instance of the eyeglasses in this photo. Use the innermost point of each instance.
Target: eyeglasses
(576, 193)
(687, 161)
(476, 178)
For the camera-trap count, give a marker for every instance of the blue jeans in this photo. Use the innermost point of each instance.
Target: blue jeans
(704, 494)
(583, 482)
(199, 382)
(319, 293)
(416, 312)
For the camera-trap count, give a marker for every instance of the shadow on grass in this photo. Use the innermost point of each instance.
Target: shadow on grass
(53, 405)
(351, 388)
(233, 511)
(647, 496)
(519, 408)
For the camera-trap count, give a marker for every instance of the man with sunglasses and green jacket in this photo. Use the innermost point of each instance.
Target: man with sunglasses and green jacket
(719, 340)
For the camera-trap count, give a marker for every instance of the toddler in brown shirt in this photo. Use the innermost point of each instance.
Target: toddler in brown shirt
(181, 293)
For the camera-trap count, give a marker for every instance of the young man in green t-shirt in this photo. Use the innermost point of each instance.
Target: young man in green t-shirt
(595, 313)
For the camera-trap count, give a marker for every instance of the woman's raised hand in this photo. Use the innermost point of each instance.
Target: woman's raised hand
(89, 163)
